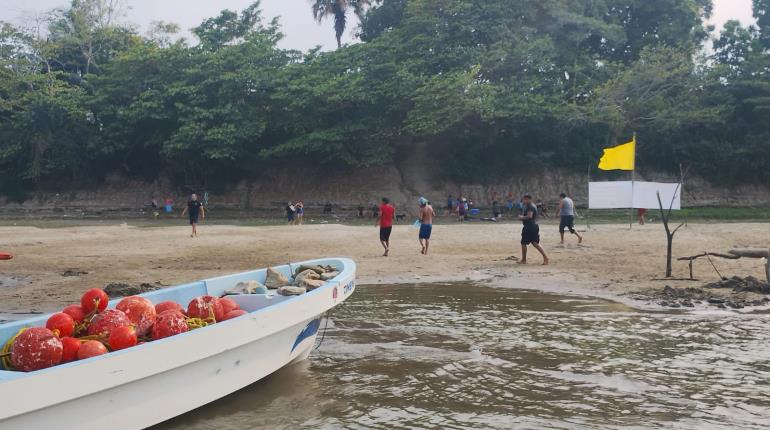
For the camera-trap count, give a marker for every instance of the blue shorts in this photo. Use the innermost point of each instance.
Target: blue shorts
(425, 230)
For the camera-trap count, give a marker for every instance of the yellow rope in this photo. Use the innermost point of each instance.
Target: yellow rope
(5, 356)
(195, 323)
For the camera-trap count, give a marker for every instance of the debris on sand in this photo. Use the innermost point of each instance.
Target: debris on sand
(739, 297)
(74, 272)
(120, 289)
(748, 284)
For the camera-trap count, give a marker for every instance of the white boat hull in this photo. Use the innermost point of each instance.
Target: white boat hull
(148, 384)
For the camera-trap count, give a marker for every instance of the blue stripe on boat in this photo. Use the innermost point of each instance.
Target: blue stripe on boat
(310, 330)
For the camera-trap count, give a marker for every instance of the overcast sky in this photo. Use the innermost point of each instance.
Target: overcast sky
(301, 30)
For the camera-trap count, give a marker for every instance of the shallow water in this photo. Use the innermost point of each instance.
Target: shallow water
(465, 356)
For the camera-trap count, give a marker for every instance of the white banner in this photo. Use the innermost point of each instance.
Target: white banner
(624, 195)
(645, 195)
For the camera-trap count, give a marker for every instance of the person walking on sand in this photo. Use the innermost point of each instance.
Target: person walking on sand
(426, 224)
(530, 232)
(385, 222)
(194, 210)
(566, 212)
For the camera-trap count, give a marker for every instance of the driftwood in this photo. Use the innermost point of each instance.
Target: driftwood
(733, 255)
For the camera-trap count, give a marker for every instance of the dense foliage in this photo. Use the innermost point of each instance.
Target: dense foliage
(490, 87)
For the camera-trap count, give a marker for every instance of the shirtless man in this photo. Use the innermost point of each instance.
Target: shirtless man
(426, 223)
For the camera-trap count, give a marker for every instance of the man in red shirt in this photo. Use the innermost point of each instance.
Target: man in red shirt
(385, 222)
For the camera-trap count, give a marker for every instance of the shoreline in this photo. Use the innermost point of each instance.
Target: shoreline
(54, 265)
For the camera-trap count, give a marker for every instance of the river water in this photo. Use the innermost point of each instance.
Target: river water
(465, 356)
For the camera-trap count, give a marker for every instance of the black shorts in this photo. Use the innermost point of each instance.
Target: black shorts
(568, 222)
(385, 233)
(193, 219)
(530, 233)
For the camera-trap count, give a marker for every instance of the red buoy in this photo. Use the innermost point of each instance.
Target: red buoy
(205, 307)
(91, 348)
(169, 323)
(36, 348)
(139, 311)
(61, 324)
(70, 346)
(104, 323)
(76, 312)
(164, 306)
(234, 314)
(94, 299)
(228, 305)
(122, 338)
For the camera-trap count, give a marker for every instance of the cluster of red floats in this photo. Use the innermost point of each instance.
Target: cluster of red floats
(90, 329)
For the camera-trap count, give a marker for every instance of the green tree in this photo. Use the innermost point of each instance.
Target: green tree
(338, 10)
(86, 35)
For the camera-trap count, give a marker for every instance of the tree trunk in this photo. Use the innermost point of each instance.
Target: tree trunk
(664, 216)
(669, 251)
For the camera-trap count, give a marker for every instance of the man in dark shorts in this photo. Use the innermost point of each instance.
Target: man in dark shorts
(566, 212)
(194, 210)
(530, 232)
(385, 222)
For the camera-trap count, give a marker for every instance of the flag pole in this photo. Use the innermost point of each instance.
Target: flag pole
(588, 206)
(633, 179)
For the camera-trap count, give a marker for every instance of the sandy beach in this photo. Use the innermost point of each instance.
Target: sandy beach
(53, 266)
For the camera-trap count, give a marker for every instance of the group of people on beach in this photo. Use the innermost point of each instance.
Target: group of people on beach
(295, 213)
(387, 212)
(529, 213)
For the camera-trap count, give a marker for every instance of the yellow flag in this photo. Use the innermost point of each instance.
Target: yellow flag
(620, 157)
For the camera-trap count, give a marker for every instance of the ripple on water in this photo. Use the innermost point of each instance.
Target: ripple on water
(465, 356)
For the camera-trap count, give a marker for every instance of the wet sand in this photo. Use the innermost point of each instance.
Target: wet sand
(613, 261)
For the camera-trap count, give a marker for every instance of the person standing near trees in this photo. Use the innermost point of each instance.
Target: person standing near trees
(566, 212)
(385, 222)
(530, 231)
(194, 210)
